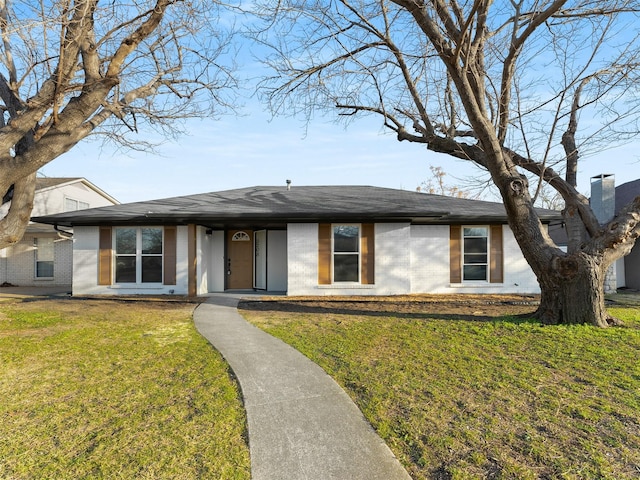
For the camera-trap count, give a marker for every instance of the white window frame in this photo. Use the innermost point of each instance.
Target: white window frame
(138, 255)
(334, 253)
(487, 264)
(37, 252)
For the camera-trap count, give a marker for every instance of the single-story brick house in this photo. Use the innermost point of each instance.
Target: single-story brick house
(306, 240)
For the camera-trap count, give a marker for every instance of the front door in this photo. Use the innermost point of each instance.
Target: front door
(239, 259)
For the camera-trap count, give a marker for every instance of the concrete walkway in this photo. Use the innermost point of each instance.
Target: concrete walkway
(302, 425)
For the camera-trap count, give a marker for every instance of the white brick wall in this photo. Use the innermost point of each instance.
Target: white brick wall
(18, 263)
(302, 267)
(393, 258)
(429, 258)
(518, 276)
(85, 267)
(85, 261)
(408, 259)
(430, 265)
(392, 262)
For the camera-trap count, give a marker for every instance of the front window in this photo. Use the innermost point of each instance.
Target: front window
(346, 253)
(475, 253)
(138, 255)
(44, 257)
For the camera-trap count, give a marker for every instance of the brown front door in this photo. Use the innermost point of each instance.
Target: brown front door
(239, 259)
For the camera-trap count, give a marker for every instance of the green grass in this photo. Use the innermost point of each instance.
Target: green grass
(118, 390)
(469, 399)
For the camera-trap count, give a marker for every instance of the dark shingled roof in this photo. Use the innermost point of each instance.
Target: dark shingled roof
(625, 193)
(276, 206)
(46, 182)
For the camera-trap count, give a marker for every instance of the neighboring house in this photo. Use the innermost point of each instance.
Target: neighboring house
(44, 255)
(606, 201)
(321, 240)
(629, 273)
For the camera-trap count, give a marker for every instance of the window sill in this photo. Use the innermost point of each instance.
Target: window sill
(137, 286)
(478, 284)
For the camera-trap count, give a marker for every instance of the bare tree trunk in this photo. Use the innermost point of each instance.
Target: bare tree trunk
(572, 292)
(572, 283)
(576, 232)
(14, 224)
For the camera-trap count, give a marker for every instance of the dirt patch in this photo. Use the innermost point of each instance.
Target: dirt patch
(481, 306)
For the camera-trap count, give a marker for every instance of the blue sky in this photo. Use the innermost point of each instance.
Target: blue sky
(239, 151)
(235, 151)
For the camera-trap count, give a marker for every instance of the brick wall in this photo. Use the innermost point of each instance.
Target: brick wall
(18, 266)
(430, 265)
(302, 267)
(408, 259)
(85, 267)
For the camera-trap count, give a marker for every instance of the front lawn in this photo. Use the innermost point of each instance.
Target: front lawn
(114, 389)
(465, 394)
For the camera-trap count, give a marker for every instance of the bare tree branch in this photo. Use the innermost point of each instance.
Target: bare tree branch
(521, 88)
(74, 68)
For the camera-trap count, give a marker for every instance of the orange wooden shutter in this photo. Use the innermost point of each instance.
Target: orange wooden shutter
(324, 254)
(367, 251)
(170, 237)
(104, 256)
(455, 253)
(496, 274)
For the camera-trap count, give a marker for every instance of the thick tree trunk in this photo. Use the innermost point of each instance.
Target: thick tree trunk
(572, 292)
(15, 222)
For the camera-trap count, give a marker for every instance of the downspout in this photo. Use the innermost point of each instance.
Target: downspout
(63, 233)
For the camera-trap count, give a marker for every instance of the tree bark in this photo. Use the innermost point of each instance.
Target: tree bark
(572, 283)
(15, 222)
(572, 292)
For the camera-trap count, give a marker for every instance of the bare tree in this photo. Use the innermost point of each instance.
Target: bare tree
(520, 87)
(436, 184)
(74, 68)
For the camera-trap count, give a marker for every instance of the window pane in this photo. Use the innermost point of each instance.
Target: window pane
(476, 253)
(345, 268)
(151, 240)
(44, 248)
(151, 269)
(82, 205)
(126, 241)
(44, 257)
(126, 269)
(475, 259)
(475, 245)
(70, 205)
(345, 238)
(44, 269)
(475, 272)
(476, 232)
